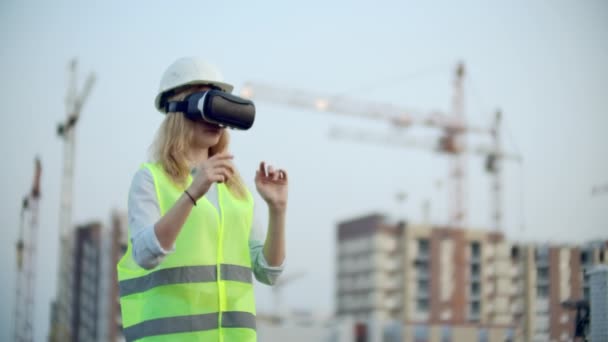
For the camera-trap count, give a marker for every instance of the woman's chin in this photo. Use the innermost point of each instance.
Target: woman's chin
(207, 142)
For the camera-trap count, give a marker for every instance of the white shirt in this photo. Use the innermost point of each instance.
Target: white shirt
(144, 212)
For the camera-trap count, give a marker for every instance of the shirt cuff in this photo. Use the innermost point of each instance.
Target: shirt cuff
(147, 251)
(263, 272)
(154, 245)
(264, 264)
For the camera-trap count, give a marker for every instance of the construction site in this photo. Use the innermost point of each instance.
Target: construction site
(432, 200)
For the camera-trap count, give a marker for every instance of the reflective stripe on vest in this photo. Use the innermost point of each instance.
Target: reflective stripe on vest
(185, 274)
(203, 291)
(174, 325)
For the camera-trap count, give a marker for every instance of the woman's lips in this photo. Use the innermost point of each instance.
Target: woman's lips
(213, 130)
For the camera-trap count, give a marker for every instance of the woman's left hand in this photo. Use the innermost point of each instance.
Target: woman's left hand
(272, 186)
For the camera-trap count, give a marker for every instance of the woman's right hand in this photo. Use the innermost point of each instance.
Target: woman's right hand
(218, 168)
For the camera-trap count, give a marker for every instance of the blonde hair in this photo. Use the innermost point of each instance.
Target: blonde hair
(174, 140)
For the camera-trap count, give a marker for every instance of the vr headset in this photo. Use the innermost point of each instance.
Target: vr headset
(216, 107)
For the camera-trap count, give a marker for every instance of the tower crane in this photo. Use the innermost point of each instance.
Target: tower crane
(66, 131)
(26, 261)
(493, 155)
(453, 130)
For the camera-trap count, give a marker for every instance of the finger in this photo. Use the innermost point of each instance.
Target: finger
(223, 163)
(218, 178)
(222, 156)
(226, 174)
(283, 174)
(223, 170)
(270, 170)
(275, 175)
(262, 168)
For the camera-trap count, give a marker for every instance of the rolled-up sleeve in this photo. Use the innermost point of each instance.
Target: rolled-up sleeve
(263, 272)
(144, 212)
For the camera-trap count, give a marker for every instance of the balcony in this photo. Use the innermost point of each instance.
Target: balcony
(393, 303)
(422, 257)
(420, 315)
(489, 309)
(422, 305)
(388, 264)
(517, 270)
(517, 308)
(475, 278)
(422, 294)
(474, 310)
(390, 283)
(541, 323)
(350, 284)
(422, 275)
(541, 337)
(542, 291)
(518, 289)
(541, 305)
(542, 263)
(386, 245)
(474, 316)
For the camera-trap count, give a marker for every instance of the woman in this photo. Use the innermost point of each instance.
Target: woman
(187, 271)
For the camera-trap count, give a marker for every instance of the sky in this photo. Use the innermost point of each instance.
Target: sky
(542, 63)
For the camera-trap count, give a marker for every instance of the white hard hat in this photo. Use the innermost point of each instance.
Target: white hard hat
(189, 71)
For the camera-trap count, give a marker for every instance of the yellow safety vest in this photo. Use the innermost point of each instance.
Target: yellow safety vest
(201, 292)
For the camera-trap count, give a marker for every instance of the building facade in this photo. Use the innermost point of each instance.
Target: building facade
(85, 289)
(599, 303)
(447, 284)
(93, 310)
(114, 247)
